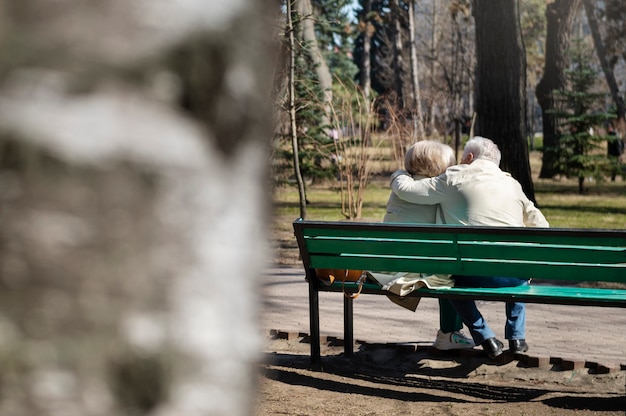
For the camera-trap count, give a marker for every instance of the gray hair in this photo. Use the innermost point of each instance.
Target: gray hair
(428, 158)
(482, 148)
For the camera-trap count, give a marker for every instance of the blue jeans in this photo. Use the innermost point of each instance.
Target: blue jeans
(515, 327)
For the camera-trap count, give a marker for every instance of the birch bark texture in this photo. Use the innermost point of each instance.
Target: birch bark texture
(133, 205)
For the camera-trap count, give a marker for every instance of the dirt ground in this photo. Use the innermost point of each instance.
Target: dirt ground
(384, 380)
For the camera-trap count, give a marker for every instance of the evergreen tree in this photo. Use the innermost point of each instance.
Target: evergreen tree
(335, 33)
(315, 144)
(580, 152)
(382, 17)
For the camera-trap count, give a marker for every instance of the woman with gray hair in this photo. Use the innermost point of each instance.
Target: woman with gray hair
(426, 159)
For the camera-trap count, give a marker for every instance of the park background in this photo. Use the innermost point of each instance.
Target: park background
(143, 145)
(362, 80)
(365, 79)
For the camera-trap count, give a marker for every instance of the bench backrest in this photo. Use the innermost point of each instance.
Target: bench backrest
(567, 254)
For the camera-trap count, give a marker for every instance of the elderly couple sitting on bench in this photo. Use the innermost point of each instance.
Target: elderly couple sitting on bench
(433, 189)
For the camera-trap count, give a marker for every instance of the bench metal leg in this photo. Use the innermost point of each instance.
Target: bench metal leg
(314, 324)
(348, 330)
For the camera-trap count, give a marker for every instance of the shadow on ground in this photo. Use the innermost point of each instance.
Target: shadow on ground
(424, 377)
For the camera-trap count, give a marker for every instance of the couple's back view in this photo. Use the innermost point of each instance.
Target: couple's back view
(477, 192)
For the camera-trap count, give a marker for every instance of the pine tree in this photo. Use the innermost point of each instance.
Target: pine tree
(580, 152)
(335, 33)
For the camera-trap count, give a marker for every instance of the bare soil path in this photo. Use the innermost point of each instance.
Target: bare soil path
(385, 382)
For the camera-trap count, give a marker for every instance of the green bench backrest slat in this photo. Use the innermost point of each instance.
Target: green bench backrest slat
(467, 249)
(382, 247)
(589, 255)
(557, 271)
(547, 253)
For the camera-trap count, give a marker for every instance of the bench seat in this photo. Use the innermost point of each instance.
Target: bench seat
(533, 293)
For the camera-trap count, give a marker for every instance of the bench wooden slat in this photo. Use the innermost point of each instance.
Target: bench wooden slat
(464, 248)
(578, 254)
(475, 267)
(416, 247)
(557, 236)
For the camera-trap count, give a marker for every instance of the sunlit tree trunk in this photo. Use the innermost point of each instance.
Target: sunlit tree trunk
(417, 105)
(398, 58)
(366, 65)
(293, 128)
(322, 71)
(134, 201)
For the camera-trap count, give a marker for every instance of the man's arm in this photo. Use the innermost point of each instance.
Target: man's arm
(533, 217)
(421, 191)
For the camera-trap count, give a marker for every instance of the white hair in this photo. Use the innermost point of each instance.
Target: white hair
(482, 148)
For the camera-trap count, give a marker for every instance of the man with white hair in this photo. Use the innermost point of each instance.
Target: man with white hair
(478, 192)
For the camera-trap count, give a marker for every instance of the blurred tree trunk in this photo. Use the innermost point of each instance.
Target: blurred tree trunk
(134, 201)
(560, 17)
(501, 85)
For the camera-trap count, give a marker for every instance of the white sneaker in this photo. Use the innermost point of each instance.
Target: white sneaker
(452, 341)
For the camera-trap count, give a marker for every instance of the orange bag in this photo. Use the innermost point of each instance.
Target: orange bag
(328, 276)
(338, 274)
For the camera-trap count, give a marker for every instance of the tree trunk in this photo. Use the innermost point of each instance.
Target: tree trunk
(419, 119)
(366, 69)
(134, 201)
(433, 53)
(501, 84)
(321, 67)
(293, 129)
(398, 61)
(618, 100)
(560, 17)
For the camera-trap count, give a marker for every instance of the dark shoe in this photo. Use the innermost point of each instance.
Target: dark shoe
(518, 346)
(493, 347)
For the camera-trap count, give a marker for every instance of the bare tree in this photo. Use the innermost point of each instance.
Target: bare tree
(417, 105)
(501, 85)
(560, 17)
(133, 192)
(398, 56)
(432, 54)
(293, 130)
(446, 47)
(354, 155)
(366, 66)
(458, 74)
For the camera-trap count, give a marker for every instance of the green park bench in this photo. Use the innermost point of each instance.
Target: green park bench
(570, 256)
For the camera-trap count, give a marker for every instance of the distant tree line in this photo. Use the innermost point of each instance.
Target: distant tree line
(438, 68)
